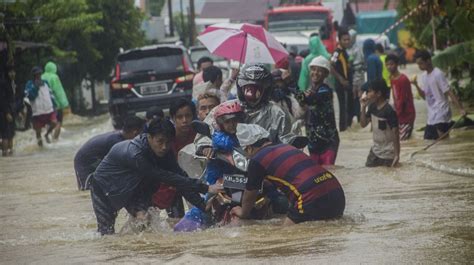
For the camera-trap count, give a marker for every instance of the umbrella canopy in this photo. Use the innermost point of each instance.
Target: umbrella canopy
(246, 43)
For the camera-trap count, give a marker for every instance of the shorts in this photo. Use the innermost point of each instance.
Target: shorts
(405, 130)
(375, 161)
(327, 157)
(41, 120)
(433, 132)
(59, 115)
(329, 206)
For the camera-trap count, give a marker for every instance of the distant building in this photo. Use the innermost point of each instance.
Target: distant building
(251, 11)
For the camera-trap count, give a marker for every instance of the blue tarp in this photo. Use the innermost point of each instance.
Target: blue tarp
(378, 22)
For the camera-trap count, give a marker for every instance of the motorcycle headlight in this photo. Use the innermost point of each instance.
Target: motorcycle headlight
(240, 161)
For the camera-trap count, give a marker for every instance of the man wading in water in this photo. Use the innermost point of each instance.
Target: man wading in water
(132, 169)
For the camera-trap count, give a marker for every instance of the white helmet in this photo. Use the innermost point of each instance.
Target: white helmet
(249, 134)
(321, 62)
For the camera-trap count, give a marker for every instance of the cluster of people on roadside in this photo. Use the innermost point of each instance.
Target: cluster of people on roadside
(47, 99)
(258, 109)
(364, 79)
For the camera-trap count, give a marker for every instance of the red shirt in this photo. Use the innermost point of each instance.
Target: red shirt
(164, 197)
(403, 99)
(179, 143)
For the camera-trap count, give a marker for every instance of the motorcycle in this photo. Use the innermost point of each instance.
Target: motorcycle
(234, 181)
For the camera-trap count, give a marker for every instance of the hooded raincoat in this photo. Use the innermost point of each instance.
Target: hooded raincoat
(374, 64)
(50, 75)
(316, 48)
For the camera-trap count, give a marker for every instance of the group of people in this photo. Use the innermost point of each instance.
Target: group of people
(364, 79)
(142, 172)
(137, 168)
(46, 97)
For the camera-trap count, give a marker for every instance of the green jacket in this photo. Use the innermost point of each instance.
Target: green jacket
(316, 48)
(54, 82)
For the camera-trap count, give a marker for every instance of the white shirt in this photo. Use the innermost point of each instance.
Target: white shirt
(42, 104)
(435, 85)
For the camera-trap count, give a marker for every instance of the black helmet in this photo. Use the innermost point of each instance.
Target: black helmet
(254, 74)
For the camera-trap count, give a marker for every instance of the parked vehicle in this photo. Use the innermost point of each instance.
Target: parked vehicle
(149, 76)
(293, 39)
(304, 19)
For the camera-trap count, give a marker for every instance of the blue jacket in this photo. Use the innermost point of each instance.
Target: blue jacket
(224, 142)
(374, 64)
(131, 165)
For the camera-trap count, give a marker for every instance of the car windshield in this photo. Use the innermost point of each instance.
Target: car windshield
(151, 61)
(197, 54)
(296, 21)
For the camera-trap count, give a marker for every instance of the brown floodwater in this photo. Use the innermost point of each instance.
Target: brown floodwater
(420, 212)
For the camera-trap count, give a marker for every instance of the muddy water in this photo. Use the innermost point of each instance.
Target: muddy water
(421, 212)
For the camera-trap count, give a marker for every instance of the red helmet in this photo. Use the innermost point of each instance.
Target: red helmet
(228, 110)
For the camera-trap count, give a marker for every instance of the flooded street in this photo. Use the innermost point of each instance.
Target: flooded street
(421, 212)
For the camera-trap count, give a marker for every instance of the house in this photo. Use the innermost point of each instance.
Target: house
(251, 11)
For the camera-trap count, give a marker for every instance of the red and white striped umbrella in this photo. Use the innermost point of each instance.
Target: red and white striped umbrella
(246, 43)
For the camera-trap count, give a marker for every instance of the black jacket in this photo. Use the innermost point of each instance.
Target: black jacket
(131, 167)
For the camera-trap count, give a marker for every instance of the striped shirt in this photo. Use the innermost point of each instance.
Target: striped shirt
(293, 172)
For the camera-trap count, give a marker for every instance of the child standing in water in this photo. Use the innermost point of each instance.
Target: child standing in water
(386, 148)
(402, 97)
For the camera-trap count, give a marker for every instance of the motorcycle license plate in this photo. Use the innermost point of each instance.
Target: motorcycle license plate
(235, 181)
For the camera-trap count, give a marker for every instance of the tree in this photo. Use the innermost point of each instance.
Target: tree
(121, 22)
(66, 26)
(84, 36)
(452, 23)
(181, 23)
(155, 7)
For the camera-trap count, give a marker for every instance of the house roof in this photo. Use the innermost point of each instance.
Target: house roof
(243, 10)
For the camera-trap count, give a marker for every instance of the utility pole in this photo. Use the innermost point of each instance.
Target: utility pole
(192, 23)
(170, 15)
(182, 20)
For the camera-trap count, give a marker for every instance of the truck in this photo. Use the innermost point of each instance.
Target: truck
(292, 25)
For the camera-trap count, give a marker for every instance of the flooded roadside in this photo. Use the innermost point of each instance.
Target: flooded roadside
(411, 214)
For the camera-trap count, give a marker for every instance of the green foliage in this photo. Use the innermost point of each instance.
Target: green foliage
(455, 55)
(84, 36)
(121, 23)
(155, 7)
(182, 27)
(453, 23)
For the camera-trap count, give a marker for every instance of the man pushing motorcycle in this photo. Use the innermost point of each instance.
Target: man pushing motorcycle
(314, 193)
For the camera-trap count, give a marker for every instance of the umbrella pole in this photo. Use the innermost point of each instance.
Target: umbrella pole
(242, 51)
